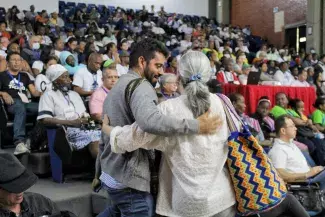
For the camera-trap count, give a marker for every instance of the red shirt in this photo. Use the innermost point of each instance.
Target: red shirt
(227, 77)
(6, 34)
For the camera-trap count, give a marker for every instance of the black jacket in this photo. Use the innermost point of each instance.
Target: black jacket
(34, 205)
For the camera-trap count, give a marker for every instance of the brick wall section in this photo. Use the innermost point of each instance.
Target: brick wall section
(259, 14)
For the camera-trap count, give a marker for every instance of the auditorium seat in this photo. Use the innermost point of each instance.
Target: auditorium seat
(71, 4)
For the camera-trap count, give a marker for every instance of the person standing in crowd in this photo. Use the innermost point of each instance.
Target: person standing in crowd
(123, 68)
(96, 102)
(121, 172)
(62, 106)
(87, 79)
(15, 179)
(13, 89)
(186, 174)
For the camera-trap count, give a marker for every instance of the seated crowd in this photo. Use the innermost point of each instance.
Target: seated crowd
(68, 74)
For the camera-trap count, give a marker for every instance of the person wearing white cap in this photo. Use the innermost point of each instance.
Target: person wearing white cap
(62, 106)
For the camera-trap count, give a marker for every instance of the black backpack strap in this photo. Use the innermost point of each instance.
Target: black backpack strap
(130, 88)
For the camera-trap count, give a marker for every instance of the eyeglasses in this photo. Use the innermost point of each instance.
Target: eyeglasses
(111, 77)
(15, 60)
(176, 83)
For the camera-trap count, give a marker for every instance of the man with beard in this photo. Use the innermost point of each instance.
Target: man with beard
(127, 177)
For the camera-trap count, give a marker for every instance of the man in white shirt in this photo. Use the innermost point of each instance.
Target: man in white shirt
(286, 157)
(123, 68)
(87, 79)
(283, 75)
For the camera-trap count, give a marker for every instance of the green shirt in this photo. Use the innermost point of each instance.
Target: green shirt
(293, 113)
(278, 111)
(318, 117)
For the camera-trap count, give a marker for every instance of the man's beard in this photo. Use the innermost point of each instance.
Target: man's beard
(150, 76)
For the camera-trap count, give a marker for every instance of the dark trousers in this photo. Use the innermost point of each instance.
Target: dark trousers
(20, 110)
(290, 206)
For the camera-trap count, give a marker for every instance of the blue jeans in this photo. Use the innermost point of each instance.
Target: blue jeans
(20, 110)
(320, 179)
(129, 202)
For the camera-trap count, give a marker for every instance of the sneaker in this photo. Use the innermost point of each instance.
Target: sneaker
(21, 149)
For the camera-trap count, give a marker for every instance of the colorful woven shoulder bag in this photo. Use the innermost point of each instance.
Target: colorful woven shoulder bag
(258, 188)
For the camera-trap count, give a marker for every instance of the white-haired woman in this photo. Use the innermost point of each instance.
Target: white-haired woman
(62, 106)
(168, 87)
(193, 180)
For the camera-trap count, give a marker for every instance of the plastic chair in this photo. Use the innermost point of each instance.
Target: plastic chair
(71, 4)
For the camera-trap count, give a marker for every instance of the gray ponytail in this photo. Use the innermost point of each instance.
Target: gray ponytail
(198, 97)
(195, 69)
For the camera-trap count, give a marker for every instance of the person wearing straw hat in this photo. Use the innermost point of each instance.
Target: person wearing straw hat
(62, 106)
(15, 179)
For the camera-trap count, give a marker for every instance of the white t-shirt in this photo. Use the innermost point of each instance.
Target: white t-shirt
(53, 104)
(42, 83)
(284, 78)
(87, 81)
(297, 83)
(121, 70)
(288, 156)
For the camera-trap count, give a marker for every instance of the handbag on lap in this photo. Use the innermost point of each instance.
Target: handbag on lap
(258, 187)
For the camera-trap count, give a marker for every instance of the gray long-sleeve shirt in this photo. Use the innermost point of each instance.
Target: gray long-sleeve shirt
(132, 169)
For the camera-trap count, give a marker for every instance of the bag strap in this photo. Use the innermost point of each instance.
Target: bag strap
(229, 110)
(130, 88)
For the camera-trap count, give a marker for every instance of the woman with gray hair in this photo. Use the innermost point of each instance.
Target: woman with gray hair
(168, 87)
(193, 180)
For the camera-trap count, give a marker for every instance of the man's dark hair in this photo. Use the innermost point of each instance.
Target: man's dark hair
(109, 46)
(319, 101)
(146, 48)
(71, 40)
(282, 64)
(11, 54)
(280, 123)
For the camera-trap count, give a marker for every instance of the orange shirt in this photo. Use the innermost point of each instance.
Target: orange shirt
(40, 19)
(6, 34)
